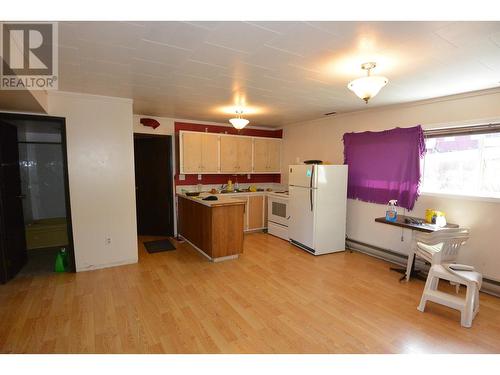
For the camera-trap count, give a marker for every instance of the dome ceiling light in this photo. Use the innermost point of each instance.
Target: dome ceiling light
(239, 122)
(367, 87)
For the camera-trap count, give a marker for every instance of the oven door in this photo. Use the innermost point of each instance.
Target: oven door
(277, 210)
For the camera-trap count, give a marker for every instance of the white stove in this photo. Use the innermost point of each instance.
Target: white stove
(277, 214)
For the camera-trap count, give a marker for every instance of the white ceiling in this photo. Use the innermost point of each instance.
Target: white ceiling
(286, 71)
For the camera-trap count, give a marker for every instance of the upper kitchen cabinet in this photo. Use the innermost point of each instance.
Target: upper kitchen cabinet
(211, 153)
(235, 154)
(199, 152)
(267, 155)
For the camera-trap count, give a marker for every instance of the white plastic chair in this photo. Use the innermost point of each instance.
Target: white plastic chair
(468, 306)
(437, 247)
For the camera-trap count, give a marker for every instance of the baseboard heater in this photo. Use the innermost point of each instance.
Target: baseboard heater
(489, 286)
(303, 247)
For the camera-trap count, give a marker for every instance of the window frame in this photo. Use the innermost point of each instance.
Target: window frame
(455, 131)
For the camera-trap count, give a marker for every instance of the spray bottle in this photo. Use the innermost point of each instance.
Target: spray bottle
(61, 260)
(391, 214)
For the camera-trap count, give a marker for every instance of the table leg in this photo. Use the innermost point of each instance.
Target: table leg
(410, 271)
(410, 266)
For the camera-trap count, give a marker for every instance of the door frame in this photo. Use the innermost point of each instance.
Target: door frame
(172, 169)
(62, 122)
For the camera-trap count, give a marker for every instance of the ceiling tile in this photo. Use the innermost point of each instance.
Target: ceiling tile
(217, 55)
(295, 70)
(240, 36)
(177, 34)
(141, 66)
(465, 33)
(304, 39)
(102, 52)
(160, 53)
(114, 33)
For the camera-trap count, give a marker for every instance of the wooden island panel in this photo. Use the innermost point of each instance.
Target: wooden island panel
(215, 230)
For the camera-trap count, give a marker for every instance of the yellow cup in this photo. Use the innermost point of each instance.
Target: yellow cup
(429, 213)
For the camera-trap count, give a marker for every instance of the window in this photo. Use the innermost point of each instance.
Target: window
(463, 164)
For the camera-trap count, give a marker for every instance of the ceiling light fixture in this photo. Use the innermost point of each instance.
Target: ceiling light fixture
(369, 86)
(238, 122)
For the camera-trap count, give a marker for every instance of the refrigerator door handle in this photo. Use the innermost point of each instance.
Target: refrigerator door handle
(312, 177)
(311, 198)
(310, 187)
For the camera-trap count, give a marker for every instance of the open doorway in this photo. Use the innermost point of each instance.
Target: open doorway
(154, 185)
(35, 214)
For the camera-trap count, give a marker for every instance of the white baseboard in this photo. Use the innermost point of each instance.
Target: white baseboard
(106, 265)
(489, 286)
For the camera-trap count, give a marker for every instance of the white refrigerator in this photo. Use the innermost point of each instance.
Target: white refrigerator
(317, 207)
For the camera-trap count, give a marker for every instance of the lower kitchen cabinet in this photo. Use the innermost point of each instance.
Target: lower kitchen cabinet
(215, 229)
(255, 212)
(255, 217)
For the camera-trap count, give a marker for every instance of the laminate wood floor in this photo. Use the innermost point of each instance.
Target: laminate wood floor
(274, 299)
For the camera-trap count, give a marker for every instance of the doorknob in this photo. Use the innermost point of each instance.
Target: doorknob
(21, 196)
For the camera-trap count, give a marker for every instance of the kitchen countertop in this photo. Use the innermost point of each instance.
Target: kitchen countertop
(224, 199)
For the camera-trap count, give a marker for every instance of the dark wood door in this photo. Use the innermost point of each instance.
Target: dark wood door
(153, 184)
(13, 253)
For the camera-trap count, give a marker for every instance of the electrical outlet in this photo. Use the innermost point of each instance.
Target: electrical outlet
(199, 177)
(182, 177)
(108, 241)
(248, 176)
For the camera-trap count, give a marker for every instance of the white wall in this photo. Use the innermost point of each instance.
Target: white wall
(101, 177)
(166, 125)
(322, 139)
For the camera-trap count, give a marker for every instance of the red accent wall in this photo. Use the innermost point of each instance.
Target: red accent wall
(192, 179)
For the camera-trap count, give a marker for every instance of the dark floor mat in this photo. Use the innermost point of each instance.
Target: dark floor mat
(158, 246)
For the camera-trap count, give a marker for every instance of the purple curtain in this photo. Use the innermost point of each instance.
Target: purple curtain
(385, 165)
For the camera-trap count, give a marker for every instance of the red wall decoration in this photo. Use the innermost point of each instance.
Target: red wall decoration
(150, 122)
(213, 179)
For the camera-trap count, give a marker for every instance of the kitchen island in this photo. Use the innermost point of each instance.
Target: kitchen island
(214, 228)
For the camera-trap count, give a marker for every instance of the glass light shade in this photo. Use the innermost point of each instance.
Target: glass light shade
(367, 87)
(239, 123)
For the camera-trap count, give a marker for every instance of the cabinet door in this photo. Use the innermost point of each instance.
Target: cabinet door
(255, 212)
(274, 155)
(191, 152)
(228, 153)
(260, 155)
(266, 202)
(245, 224)
(210, 153)
(244, 155)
